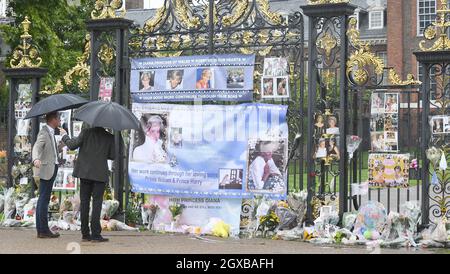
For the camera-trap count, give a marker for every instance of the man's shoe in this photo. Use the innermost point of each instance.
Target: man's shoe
(86, 238)
(99, 239)
(48, 235)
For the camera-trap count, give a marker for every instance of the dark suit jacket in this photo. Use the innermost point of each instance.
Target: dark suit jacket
(96, 147)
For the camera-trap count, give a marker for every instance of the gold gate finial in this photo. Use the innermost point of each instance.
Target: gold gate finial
(25, 55)
(438, 30)
(104, 9)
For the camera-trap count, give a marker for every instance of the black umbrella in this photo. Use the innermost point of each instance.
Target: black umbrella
(107, 114)
(55, 103)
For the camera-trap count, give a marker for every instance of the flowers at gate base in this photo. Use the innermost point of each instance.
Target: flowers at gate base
(176, 210)
(2, 154)
(269, 221)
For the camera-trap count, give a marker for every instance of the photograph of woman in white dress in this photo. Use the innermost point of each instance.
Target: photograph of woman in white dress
(332, 126)
(152, 150)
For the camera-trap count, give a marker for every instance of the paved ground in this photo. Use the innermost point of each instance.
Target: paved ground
(23, 240)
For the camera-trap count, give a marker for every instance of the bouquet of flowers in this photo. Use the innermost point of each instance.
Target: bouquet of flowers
(268, 222)
(176, 210)
(353, 143)
(148, 212)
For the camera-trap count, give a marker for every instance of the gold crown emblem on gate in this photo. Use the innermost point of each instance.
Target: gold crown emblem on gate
(25, 55)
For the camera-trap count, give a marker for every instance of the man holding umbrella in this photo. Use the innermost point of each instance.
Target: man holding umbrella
(45, 160)
(96, 147)
(45, 152)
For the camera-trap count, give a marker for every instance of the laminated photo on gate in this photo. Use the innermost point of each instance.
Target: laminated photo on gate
(275, 79)
(227, 77)
(388, 170)
(168, 154)
(384, 122)
(266, 162)
(106, 89)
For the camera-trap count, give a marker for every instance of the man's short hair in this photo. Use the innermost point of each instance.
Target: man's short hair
(50, 116)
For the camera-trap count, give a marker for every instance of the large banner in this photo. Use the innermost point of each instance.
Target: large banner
(197, 211)
(210, 150)
(186, 78)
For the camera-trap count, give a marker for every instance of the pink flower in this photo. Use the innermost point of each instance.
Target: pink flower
(413, 164)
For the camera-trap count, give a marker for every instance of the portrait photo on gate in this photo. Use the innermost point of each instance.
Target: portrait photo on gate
(174, 79)
(146, 80)
(440, 124)
(327, 148)
(391, 103)
(319, 125)
(388, 170)
(266, 166)
(204, 78)
(151, 141)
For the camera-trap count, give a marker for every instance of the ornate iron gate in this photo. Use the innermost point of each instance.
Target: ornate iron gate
(248, 27)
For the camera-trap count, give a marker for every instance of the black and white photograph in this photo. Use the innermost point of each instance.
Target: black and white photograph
(176, 137)
(235, 77)
(230, 178)
(275, 67)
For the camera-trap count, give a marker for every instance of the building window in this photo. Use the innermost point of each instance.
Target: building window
(3, 7)
(376, 19)
(383, 56)
(426, 14)
(432, 80)
(153, 4)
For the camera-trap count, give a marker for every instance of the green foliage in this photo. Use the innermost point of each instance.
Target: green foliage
(132, 215)
(58, 31)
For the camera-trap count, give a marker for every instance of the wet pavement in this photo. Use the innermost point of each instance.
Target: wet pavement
(24, 240)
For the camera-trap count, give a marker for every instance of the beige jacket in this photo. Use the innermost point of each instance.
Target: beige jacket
(44, 150)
